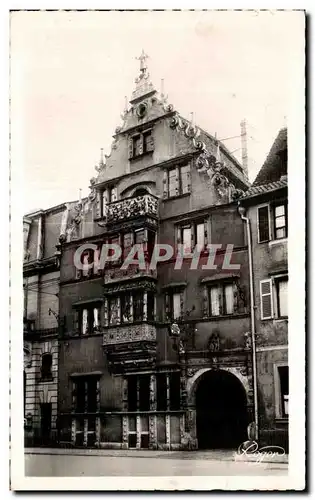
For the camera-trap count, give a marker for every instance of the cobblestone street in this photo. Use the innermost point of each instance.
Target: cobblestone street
(46, 462)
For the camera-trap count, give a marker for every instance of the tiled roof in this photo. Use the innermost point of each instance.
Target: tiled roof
(274, 167)
(265, 188)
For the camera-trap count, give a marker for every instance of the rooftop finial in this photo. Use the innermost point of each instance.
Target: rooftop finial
(80, 195)
(162, 87)
(142, 58)
(102, 157)
(192, 118)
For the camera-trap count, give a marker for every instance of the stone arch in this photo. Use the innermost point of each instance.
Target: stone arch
(218, 404)
(192, 382)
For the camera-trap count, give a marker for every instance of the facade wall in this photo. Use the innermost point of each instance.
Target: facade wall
(270, 259)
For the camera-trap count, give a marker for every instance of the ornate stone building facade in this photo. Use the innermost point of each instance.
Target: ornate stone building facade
(156, 357)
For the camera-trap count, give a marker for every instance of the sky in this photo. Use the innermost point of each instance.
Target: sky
(71, 71)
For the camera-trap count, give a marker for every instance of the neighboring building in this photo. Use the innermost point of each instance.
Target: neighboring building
(127, 377)
(41, 315)
(266, 203)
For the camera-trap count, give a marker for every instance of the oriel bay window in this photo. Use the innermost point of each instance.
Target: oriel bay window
(87, 318)
(177, 181)
(129, 307)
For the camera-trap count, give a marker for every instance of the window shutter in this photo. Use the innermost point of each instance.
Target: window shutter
(178, 235)
(76, 320)
(263, 224)
(266, 299)
(130, 148)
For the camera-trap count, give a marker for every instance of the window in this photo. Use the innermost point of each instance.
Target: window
(89, 257)
(282, 296)
(127, 244)
(129, 307)
(46, 373)
(125, 306)
(263, 224)
(280, 217)
(85, 394)
(274, 297)
(223, 299)
(178, 181)
(283, 379)
(140, 144)
(138, 306)
(87, 319)
(114, 310)
(109, 195)
(163, 381)
(173, 305)
(192, 236)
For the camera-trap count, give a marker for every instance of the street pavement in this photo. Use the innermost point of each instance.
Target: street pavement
(77, 463)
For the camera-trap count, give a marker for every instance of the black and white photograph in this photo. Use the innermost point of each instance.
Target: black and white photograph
(156, 162)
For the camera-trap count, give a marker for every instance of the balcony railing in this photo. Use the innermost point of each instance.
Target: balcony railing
(129, 333)
(131, 208)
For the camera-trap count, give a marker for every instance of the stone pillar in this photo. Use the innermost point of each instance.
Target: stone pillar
(152, 418)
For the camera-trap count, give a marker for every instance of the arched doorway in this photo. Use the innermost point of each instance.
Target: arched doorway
(221, 410)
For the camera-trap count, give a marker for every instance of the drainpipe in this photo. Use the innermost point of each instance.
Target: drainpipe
(242, 211)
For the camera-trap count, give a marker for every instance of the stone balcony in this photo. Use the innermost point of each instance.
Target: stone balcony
(129, 333)
(131, 208)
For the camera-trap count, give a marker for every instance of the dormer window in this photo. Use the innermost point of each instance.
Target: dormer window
(140, 144)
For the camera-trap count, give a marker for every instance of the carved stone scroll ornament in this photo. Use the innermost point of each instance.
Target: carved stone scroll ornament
(207, 162)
